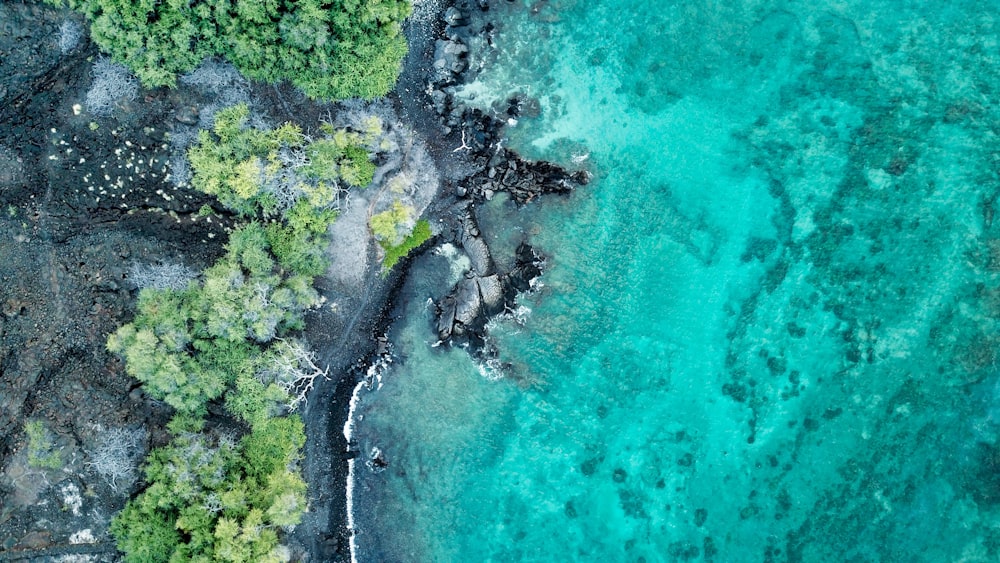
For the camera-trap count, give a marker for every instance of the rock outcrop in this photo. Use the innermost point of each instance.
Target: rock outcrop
(483, 293)
(480, 134)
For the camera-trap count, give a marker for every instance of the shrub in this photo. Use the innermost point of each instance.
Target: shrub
(158, 348)
(161, 276)
(392, 226)
(297, 250)
(145, 534)
(70, 33)
(214, 76)
(394, 253)
(406, 171)
(196, 340)
(269, 172)
(111, 83)
(229, 162)
(339, 155)
(219, 81)
(169, 375)
(291, 367)
(246, 296)
(41, 448)
(189, 345)
(254, 402)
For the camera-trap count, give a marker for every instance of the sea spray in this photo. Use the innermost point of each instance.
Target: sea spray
(458, 262)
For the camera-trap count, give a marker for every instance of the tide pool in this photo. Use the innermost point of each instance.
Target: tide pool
(767, 330)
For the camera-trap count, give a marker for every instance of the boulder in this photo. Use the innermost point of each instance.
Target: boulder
(455, 48)
(460, 33)
(467, 301)
(446, 317)
(449, 56)
(440, 101)
(510, 177)
(479, 254)
(528, 267)
(454, 17)
(490, 291)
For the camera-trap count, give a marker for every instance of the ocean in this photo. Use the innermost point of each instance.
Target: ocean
(768, 328)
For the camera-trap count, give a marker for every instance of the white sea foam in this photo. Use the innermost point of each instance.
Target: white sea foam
(374, 455)
(458, 262)
(372, 377)
(348, 433)
(492, 369)
(508, 323)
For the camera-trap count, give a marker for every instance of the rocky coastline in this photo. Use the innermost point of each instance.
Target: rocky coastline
(79, 243)
(467, 147)
(489, 168)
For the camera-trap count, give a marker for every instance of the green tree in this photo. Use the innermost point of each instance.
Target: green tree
(209, 499)
(391, 226)
(330, 49)
(216, 501)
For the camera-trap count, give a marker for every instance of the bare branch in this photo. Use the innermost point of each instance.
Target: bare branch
(161, 276)
(117, 456)
(294, 370)
(464, 145)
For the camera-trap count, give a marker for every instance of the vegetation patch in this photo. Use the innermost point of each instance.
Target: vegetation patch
(394, 253)
(327, 48)
(42, 452)
(217, 499)
(229, 335)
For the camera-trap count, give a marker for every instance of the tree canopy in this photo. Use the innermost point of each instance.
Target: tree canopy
(330, 49)
(217, 501)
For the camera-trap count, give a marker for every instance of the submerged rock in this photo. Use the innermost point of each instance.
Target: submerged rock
(454, 17)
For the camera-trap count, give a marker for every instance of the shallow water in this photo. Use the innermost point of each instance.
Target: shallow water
(767, 330)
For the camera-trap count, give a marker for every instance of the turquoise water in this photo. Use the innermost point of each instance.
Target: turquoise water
(767, 330)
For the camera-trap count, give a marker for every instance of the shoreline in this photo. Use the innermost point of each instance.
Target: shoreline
(84, 240)
(436, 64)
(326, 533)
